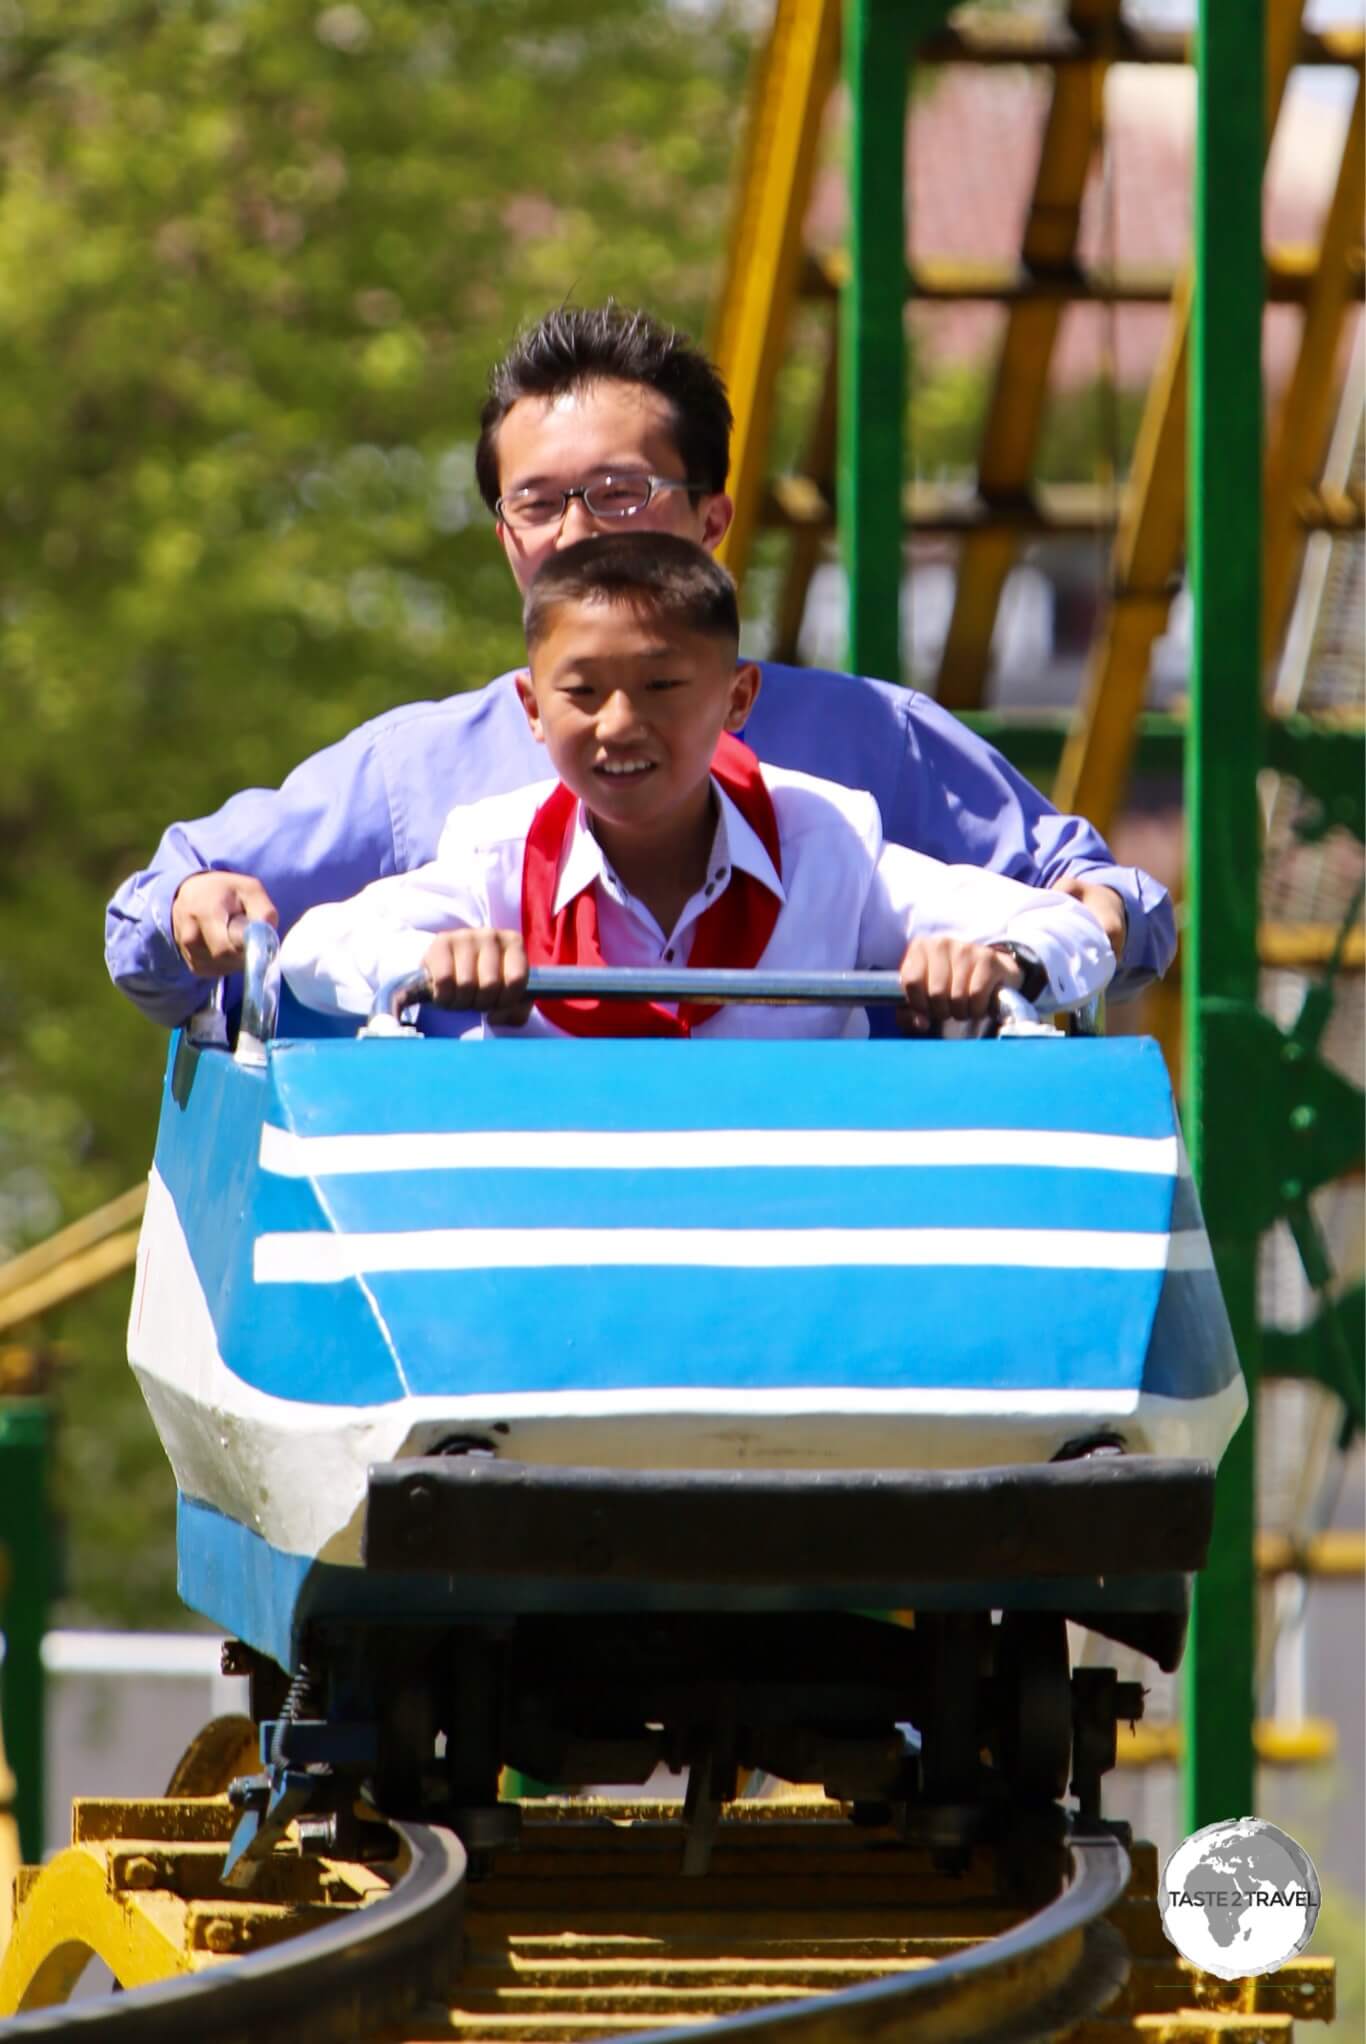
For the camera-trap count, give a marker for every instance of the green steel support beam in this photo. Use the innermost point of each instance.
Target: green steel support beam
(1223, 752)
(25, 1588)
(1330, 1350)
(879, 37)
(1033, 743)
(1329, 761)
(872, 352)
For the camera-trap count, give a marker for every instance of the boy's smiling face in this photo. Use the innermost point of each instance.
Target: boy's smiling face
(629, 708)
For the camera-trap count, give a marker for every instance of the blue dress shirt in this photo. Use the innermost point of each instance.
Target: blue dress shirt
(375, 803)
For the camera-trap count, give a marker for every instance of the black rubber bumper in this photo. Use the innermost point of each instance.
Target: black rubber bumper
(837, 1531)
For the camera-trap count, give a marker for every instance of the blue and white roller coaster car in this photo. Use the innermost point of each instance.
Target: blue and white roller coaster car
(578, 1405)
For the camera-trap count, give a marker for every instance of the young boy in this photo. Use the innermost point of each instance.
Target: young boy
(665, 842)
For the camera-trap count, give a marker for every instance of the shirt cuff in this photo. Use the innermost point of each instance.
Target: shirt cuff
(141, 952)
(1150, 936)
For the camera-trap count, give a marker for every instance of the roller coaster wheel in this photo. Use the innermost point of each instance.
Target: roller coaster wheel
(220, 1751)
(1033, 1705)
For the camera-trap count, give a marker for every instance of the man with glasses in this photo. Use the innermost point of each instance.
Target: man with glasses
(597, 420)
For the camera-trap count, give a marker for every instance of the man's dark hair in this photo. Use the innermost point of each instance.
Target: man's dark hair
(577, 345)
(655, 572)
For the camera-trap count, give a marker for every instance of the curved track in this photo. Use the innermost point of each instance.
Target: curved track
(1034, 1981)
(339, 1981)
(806, 1930)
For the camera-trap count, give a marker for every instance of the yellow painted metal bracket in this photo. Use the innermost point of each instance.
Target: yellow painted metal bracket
(808, 541)
(1339, 1551)
(73, 1260)
(32, 1264)
(9, 1838)
(792, 84)
(1015, 407)
(1310, 947)
(1311, 1742)
(1147, 551)
(1300, 433)
(139, 1888)
(66, 1913)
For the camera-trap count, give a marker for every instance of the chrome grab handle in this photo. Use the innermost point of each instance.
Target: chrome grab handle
(1016, 1016)
(260, 993)
(392, 1001)
(208, 1026)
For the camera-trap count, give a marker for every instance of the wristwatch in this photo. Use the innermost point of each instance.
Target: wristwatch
(1035, 980)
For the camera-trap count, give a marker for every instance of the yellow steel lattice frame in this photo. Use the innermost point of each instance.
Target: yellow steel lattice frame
(808, 541)
(1015, 408)
(1148, 545)
(1304, 421)
(70, 1913)
(73, 1261)
(792, 84)
(766, 271)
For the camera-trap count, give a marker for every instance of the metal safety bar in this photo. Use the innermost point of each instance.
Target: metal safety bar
(1015, 1015)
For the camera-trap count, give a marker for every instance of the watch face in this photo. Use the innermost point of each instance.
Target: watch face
(1034, 978)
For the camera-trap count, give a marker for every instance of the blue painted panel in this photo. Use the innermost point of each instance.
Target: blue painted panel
(489, 1331)
(1186, 1214)
(363, 1342)
(1117, 1087)
(231, 1575)
(585, 1328)
(367, 1341)
(325, 1345)
(1013, 1196)
(1190, 1349)
(207, 1146)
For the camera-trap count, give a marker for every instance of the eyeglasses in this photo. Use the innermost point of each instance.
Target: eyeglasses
(610, 497)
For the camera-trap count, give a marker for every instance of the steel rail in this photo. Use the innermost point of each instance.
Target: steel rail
(340, 1982)
(682, 983)
(721, 984)
(1032, 1983)
(1057, 1968)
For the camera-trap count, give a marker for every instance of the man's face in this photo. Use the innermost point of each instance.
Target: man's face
(630, 708)
(599, 429)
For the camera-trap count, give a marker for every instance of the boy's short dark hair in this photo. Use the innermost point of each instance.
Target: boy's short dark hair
(575, 345)
(657, 572)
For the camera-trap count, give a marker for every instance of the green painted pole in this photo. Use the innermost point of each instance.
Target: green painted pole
(1223, 753)
(872, 335)
(25, 1587)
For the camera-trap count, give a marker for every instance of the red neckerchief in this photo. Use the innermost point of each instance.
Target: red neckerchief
(734, 931)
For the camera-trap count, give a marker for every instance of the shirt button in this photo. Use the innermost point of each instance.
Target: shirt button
(720, 873)
(709, 888)
(670, 952)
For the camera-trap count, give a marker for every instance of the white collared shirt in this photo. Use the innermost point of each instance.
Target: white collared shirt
(848, 900)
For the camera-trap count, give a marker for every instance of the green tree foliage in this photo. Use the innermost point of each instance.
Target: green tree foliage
(255, 259)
